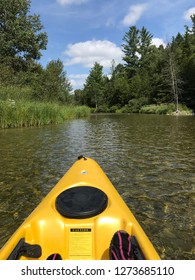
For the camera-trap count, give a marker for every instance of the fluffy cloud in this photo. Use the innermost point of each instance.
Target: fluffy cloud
(157, 42)
(67, 2)
(77, 80)
(189, 13)
(89, 52)
(134, 14)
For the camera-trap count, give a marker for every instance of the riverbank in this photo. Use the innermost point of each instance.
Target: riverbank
(25, 113)
(28, 113)
(160, 109)
(167, 109)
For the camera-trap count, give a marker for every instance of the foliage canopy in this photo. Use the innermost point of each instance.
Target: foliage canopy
(21, 36)
(149, 75)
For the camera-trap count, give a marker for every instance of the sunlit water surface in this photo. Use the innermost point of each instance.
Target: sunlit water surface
(150, 160)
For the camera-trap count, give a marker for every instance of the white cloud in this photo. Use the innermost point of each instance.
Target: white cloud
(189, 13)
(89, 52)
(158, 41)
(68, 2)
(77, 80)
(134, 14)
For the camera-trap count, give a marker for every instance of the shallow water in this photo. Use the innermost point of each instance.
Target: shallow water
(150, 159)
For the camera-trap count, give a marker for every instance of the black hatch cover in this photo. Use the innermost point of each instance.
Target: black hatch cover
(81, 202)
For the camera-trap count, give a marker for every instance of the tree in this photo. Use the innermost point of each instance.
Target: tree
(53, 85)
(130, 49)
(93, 87)
(159, 73)
(145, 49)
(78, 97)
(21, 38)
(174, 77)
(138, 52)
(137, 49)
(117, 87)
(150, 74)
(188, 65)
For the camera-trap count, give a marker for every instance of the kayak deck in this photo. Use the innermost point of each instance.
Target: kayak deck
(78, 219)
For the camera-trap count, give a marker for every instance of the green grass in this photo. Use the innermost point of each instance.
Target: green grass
(15, 93)
(18, 109)
(167, 109)
(25, 113)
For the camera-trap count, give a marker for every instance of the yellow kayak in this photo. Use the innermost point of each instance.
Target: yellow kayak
(77, 221)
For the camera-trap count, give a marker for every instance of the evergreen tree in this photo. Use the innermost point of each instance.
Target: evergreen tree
(160, 77)
(138, 54)
(93, 87)
(188, 69)
(117, 88)
(150, 75)
(130, 49)
(144, 48)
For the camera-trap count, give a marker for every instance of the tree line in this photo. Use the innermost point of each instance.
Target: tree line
(148, 74)
(22, 39)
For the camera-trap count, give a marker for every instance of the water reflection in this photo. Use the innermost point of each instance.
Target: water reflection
(150, 159)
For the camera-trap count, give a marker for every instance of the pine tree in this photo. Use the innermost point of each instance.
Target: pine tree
(130, 49)
(93, 87)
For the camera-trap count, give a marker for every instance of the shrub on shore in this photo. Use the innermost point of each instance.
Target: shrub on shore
(167, 109)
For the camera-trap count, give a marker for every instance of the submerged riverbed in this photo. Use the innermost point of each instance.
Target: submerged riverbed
(149, 158)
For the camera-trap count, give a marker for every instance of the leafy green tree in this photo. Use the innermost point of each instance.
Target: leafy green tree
(150, 75)
(78, 97)
(140, 88)
(159, 77)
(21, 36)
(52, 84)
(9, 76)
(93, 87)
(188, 65)
(117, 87)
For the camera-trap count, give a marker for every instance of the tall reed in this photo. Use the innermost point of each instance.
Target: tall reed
(26, 113)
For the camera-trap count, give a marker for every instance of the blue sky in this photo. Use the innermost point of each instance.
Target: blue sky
(82, 32)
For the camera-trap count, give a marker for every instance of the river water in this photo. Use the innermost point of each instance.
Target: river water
(150, 159)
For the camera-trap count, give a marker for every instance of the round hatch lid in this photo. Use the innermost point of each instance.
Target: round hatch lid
(81, 202)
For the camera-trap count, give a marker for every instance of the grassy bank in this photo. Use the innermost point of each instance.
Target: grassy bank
(26, 113)
(167, 109)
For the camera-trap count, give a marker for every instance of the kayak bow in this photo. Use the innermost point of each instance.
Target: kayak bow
(77, 220)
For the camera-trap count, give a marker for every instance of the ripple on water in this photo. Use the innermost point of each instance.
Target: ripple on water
(150, 160)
